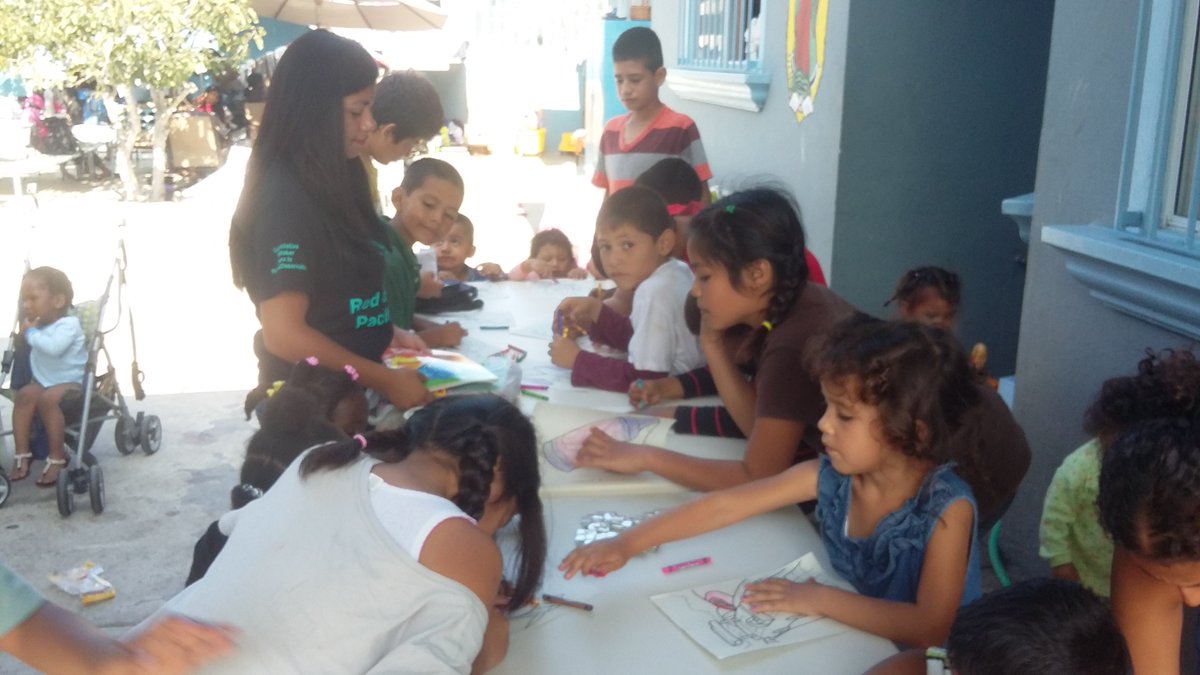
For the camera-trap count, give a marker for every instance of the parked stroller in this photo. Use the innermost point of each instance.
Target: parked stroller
(100, 399)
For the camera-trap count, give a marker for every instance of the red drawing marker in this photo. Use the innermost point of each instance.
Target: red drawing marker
(698, 562)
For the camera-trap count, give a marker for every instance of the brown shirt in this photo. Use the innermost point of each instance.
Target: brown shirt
(992, 453)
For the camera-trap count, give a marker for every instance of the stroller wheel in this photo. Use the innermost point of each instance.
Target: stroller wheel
(126, 435)
(96, 488)
(5, 488)
(66, 493)
(150, 434)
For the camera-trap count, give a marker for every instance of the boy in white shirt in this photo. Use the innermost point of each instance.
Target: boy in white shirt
(635, 236)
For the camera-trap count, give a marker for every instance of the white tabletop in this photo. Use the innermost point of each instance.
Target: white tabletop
(626, 633)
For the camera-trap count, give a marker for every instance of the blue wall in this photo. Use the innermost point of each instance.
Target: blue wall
(941, 122)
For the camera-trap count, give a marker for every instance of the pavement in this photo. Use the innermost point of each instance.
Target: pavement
(193, 333)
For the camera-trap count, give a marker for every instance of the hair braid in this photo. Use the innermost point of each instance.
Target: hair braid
(476, 466)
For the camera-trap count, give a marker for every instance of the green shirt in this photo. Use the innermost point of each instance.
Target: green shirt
(401, 279)
(18, 600)
(1070, 531)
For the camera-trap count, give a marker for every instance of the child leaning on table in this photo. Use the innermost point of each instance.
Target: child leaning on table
(427, 202)
(635, 236)
(896, 521)
(550, 257)
(453, 251)
(57, 357)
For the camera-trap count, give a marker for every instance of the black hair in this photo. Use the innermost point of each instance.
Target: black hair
(481, 431)
(469, 227)
(674, 180)
(1149, 499)
(899, 368)
(639, 44)
(639, 207)
(942, 281)
(55, 281)
(303, 133)
(761, 223)
(409, 101)
(296, 417)
(1040, 625)
(1167, 384)
(551, 237)
(428, 167)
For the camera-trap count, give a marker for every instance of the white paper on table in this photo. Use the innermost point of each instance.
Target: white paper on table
(714, 617)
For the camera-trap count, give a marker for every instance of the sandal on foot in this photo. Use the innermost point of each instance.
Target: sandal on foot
(45, 482)
(20, 468)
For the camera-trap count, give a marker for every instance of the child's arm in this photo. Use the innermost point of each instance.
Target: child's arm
(1058, 517)
(434, 334)
(705, 514)
(589, 369)
(737, 393)
(56, 338)
(1149, 613)
(925, 623)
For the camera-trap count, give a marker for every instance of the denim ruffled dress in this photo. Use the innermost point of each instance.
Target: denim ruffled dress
(887, 564)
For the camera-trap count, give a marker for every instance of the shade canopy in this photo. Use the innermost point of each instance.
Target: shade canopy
(393, 15)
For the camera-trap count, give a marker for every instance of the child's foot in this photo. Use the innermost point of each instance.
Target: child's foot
(20, 467)
(50, 472)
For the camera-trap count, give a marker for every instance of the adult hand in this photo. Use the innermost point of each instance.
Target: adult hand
(602, 451)
(579, 312)
(446, 335)
(173, 644)
(405, 388)
(404, 339)
(563, 352)
(596, 559)
(577, 273)
(781, 595)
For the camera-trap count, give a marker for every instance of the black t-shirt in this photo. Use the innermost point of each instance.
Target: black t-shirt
(291, 253)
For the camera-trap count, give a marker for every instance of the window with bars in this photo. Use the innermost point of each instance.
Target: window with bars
(723, 35)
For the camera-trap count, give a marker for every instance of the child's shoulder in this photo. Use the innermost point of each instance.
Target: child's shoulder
(669, 117)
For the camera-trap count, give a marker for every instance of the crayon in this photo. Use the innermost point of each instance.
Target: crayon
(698, 562)
(556, 600)
(534, 394)
(493, 328)
(641, 385)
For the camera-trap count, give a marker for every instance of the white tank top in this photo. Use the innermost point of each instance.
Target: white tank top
(410, 515)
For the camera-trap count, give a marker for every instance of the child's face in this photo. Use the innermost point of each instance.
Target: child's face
(721, 305)
(356, 113)
(557, 257)
(629, 255)
(1184, 575)
(385, 150)
(931, 309)
(453, 251)
(850, 430)
(637, 86)
(40, 305)
(428, 213)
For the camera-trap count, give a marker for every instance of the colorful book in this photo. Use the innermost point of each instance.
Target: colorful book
(442, 369)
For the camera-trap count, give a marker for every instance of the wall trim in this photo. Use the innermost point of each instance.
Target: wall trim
(1149, 283)
(743, 91)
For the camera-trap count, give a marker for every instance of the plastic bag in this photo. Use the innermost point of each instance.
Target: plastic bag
(85, 582)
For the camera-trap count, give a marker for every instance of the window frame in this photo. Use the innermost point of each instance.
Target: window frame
(742, 84)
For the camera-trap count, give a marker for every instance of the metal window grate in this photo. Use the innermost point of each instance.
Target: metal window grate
(720, 35)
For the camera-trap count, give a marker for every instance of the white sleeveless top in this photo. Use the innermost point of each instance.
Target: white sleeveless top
(410, 515)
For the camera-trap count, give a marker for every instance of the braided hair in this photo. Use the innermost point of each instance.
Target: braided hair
(482, 432)
(761, 223)
(942, 281)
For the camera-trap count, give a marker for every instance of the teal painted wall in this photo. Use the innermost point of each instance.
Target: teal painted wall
(940, 123)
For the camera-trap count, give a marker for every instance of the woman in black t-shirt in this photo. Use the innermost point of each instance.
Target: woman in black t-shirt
(305, 242)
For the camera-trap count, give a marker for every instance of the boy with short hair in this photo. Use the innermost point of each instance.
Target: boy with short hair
(635, 236)
(453, 251)
(407, 111)
(633, 142)
(427, 203)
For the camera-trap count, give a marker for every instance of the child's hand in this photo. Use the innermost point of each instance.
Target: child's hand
(577, 273)
(403, 339)
(602, 451)
(646, 393)
(174, 644)
(781, 595)
(491, 271)
(405, 388)
(28, 322)
(431, 286)
(543, 269)
(595, 559)
(710, 336)
(579, 312)
(447, 335)
(563, 352)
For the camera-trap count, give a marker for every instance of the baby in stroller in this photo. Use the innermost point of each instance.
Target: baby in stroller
(58, 358)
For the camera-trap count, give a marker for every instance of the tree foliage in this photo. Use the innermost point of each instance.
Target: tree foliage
(122, 44)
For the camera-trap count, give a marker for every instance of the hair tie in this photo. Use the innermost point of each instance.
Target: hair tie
(350, 370)
(362, 440)
(312, 361)
(251, 491)
(729, 210)
(767, 324)
(274, 388)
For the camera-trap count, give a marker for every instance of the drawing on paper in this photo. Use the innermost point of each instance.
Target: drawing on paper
(562, 451)
(714, 615)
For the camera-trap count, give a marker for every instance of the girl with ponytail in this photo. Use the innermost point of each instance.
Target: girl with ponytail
(758, 314)
(376, 553)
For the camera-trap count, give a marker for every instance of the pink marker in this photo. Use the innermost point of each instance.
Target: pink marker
(698, 562)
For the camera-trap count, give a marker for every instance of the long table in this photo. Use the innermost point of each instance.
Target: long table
(625, 632)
